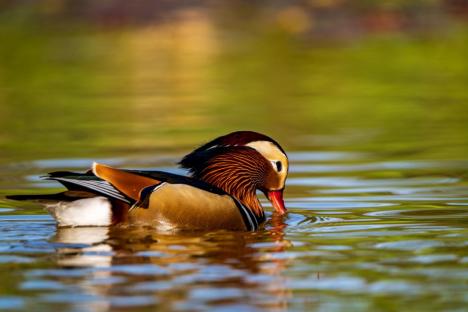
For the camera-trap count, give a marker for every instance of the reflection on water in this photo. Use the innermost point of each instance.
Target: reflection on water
(370, 246)
(124, 267)
(83, 247)
(372, 109)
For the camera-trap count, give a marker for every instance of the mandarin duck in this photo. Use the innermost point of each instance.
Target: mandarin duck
(219, 193)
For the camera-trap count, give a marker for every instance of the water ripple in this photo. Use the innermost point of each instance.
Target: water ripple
(419, 214)
(379, 166)
(360, 182)
(375, 229)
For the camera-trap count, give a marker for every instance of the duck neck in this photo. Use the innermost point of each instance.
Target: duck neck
(239, 171)
(250, 200)
(241, 189)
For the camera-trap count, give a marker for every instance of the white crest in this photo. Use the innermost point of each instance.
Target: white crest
(273, 154)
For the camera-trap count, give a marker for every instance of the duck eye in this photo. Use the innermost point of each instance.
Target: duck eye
(279, 166)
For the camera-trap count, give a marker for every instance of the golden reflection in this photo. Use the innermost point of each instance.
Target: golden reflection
(279, 264)
(173, 58)
(294, 19)
(278, 227)
(139, 255)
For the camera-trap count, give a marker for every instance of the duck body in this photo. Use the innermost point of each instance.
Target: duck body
(219, 194)
(186, 207)
(166, 201)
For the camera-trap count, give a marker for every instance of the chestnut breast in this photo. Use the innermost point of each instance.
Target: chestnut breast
(185, 207)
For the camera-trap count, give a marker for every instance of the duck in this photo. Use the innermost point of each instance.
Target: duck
(219, 191)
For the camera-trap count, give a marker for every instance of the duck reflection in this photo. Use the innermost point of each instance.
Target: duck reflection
(179, 269)
(83, 247)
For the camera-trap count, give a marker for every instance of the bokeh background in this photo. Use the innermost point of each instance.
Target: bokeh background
(107, 77)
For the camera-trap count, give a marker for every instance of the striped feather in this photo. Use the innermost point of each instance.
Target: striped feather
(239, 171)
(252, 222)
(92, 184)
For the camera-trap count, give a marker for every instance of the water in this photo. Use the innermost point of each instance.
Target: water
(375, 125)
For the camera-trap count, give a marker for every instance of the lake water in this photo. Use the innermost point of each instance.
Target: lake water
(375, 125)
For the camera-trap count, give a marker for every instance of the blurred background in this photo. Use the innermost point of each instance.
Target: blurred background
(118, 77)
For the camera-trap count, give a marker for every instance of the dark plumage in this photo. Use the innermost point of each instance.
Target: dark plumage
(195, 159)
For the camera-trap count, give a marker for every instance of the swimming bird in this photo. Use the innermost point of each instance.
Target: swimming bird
(219, 193)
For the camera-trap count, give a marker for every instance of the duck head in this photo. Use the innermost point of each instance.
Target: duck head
(240, 163)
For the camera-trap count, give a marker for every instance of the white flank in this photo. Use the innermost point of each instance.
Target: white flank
(94, 211)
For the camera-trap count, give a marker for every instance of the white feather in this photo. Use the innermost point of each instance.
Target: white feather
(94, 211)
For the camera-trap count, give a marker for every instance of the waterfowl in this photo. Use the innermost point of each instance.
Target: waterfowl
(219, 193)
